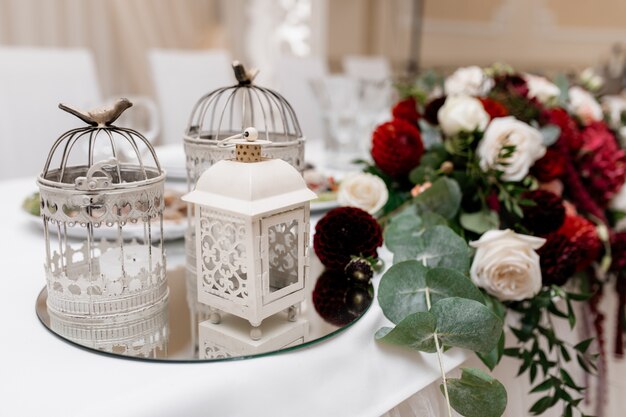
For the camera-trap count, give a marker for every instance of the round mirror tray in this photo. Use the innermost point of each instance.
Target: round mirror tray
(179, 330)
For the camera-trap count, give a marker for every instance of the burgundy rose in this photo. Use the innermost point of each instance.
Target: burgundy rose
(493, 107)
(406, 110)
(601, 163)
(550, 167)
(432, 109)
(546, 215)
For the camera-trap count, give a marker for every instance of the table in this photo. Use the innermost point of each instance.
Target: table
(348, 375)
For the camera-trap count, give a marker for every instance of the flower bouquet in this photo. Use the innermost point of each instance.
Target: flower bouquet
(504, 192)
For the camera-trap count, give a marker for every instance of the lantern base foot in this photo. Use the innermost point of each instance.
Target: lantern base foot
(292, 313)
(215, 317)
(256, 333)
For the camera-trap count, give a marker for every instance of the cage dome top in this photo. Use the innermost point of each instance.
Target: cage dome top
(229, 110)
(100, 156)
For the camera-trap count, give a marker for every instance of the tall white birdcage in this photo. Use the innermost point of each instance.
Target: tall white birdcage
(100, 185)
(226, 112)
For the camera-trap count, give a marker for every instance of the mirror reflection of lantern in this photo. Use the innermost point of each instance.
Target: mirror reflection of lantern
(252, 235)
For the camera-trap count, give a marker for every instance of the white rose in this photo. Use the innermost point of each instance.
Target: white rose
(470, 81)
(462, 113)
(365, 191)
(506, 264)
(541, 89)
(508, 131)
(614, 107)
(584, 105)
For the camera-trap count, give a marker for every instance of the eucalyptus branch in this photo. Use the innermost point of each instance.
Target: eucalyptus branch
(439, 357)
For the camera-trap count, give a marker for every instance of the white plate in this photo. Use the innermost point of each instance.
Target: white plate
(323, 205)
(172, 159)
(172, 230)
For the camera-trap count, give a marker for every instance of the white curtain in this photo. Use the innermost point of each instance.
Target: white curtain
(118, 32)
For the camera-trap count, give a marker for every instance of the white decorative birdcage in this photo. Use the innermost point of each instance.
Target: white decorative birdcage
(225, 112)
(252, 235)
(100, 182)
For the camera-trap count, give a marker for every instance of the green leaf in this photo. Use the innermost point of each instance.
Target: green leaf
(444, 283)
(431, 219)
(584, 345)
(542, 405)
(466, 324)
(550, 134)
(493, 357)
(477, 394)
(402, 231)
(431, 136)
(443, 197)
(416, 331)
(402, 289)
(545, 385)
(480, 221)
(437, 246)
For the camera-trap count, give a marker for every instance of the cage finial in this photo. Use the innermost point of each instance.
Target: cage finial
(242, 75)
(101, 116)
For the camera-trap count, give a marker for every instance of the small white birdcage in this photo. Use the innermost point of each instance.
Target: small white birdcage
(100, 182)
(252, 234)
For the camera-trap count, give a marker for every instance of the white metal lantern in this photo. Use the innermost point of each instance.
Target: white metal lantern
(98, 182)
(252, 235)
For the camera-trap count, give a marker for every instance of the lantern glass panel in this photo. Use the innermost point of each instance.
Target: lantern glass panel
(283, 254)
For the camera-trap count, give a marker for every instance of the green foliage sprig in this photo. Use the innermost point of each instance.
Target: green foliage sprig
(433, 303)
(536, 332)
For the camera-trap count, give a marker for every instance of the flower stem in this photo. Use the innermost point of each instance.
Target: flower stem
(440, 359)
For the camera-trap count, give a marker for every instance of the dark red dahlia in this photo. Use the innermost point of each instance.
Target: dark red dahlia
(338, 300)
(570, 133)
(344, 232)
(547, 215)
(601, 163)
(558, 258)
(397, 147)
(550, 167)
(583, 235)
(432, 109)
(493, 107)
(511, 83)
(406, 110)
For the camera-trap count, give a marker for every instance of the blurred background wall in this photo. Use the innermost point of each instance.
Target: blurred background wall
(530, 34)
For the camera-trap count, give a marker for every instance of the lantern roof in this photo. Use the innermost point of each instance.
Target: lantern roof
(250, 188)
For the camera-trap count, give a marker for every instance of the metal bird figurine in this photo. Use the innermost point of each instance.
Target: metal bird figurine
(101, 116)
(243, 75)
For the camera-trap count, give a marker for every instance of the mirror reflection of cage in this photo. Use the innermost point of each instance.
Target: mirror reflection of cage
(88, 203)
(143, 334)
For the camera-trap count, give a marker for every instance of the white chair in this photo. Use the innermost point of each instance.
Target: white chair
(295, 76)
(33, 81)
(366, 67)
(180, 78)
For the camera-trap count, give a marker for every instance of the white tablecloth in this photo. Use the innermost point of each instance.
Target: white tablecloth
(40, 375)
